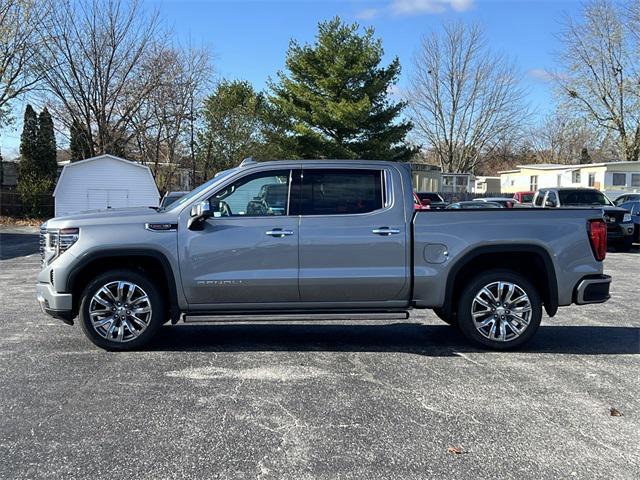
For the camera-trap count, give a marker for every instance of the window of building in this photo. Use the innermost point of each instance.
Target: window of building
(592, 179)
(341, 191)
(619, 179)
(257, 195)
(575, 176)
(533, 183)
(635, 179)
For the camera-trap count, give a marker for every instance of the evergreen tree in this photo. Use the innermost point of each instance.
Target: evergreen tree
(37, 167)
(335, 97)
(79, 145)
(29, 139)
(47, 146)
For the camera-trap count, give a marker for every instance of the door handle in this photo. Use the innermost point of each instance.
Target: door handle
(278, 232)
(385, 231)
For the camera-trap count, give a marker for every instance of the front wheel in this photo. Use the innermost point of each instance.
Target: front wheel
(121, 310)
(626, 244)
(500, 310)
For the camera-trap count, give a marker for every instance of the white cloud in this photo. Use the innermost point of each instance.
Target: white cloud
(540, 74)
(367, 14)
(416, 7)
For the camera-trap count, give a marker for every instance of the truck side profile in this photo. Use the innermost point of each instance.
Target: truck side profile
(323, 239)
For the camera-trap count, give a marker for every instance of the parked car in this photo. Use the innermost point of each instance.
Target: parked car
(627, 197)
(619, 224)
(524, 198)
(634, 209)
(473, 204)
(171, 197)
(417, 205)
(431, 199)
(505, 202)
(347, 243)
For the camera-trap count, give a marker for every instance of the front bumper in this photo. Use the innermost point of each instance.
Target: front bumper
(57, 305)
(592, 289)
(620, 231)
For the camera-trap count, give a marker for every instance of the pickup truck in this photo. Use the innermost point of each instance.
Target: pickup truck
(317, 239)
(620, 225)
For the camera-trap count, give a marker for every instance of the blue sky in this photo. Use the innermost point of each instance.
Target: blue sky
(249, 38)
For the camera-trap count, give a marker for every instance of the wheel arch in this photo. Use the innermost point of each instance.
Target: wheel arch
(540, 270)
(149, 261)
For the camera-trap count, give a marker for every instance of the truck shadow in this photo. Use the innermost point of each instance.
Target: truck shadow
(14, 245)
(428, 340)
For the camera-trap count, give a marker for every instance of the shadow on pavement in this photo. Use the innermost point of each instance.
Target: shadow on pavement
(430, 340)
(14, 245)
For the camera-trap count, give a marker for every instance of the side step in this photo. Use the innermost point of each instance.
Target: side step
(294, 317)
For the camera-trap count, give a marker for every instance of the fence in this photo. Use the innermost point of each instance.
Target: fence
(12, 205)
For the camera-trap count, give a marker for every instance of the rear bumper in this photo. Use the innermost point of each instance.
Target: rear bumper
(592, 289)
(57, 305)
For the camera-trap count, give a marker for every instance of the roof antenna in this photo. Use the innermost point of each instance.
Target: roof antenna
(247, 161)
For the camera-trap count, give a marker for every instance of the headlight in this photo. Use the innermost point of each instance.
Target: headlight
(626, 218)
(55, 242)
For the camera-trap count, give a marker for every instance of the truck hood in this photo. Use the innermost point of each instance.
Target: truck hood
(112, 216)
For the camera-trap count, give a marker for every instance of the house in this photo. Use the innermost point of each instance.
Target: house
(103, 182)
(484, 185)
(457, 183)
(425, 177)
(612, 178)
(8, 173)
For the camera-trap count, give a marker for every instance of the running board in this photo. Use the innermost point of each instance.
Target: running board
(294, 317)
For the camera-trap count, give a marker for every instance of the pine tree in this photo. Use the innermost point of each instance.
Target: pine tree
(79, 145)
(46, 160)
(37, 167)
(29, 139)
(335, 97)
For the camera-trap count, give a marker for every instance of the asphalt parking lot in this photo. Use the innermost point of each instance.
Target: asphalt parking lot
(327, 400)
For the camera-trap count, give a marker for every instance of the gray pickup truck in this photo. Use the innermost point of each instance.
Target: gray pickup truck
(318, 239)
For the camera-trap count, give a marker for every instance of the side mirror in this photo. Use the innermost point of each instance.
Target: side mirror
(204, 209)
(550, 203)
(199, 212)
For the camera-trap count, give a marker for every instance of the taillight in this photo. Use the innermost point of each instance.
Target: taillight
(598, 238)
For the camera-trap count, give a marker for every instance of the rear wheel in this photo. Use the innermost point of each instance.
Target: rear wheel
(499, 309)
(121, 310)
(451, 319)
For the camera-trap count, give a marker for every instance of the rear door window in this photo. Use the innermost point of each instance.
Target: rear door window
(341, 191)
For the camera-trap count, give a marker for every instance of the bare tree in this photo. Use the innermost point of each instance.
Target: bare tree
(600, 78)
(463, 99)
(164, 125)
(95, 66)
(566, 139)
(20, 20)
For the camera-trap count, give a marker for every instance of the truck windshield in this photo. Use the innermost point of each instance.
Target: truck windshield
(219, 177)
(582, 197)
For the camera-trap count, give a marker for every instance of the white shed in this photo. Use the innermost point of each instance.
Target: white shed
(102, 182)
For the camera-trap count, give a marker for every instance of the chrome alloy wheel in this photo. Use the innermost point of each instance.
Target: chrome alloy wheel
(501, 311)
(120, 311)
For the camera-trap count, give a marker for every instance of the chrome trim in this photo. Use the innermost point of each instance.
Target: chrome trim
(385, 231)
(146, 227)
(278, 232)
(582, 287)
(295, 317)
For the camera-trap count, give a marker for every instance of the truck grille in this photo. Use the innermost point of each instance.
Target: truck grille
(42, 244)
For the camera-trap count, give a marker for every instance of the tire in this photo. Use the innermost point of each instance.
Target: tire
(138, 328)
(626, 244)
(517, 330)
(450, 319)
